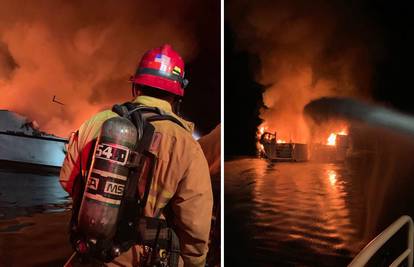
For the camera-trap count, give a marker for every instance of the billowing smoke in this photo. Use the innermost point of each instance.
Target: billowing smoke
(82, 52)
(7, 63)
(308, 49)
(312, 49)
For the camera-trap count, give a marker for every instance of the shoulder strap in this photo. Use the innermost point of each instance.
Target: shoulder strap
(134, 204)
(145, 132)
(141, 116)
(152, 113)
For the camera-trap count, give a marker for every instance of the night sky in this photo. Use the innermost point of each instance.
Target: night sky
(202, 97)
(391, 56)
(242, 98)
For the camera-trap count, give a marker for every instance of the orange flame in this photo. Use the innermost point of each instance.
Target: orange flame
(259, 133)
(331, 141)
(261, 130)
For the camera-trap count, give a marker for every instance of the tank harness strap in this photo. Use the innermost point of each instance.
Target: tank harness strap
(155, 248)
(174, 248)
(77, 195)
(153, 233)
(141, 164)
(126, 109)
(121, 110)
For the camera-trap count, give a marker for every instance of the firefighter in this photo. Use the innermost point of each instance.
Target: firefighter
(181, 178)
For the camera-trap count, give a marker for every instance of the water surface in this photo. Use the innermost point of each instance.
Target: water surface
(292, 214)
(34, 215)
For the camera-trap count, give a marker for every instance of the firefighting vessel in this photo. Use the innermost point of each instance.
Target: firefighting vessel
(22, 142)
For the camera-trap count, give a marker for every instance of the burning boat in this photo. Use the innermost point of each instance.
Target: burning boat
(21, 141)
(279, 150)
(335, 150)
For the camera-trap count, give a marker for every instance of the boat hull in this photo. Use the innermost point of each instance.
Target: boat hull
(36, 150)
(286, 151)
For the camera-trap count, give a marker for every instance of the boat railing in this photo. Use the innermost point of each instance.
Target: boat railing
(369, 250)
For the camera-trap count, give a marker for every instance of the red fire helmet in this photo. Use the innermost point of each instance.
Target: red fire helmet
(162, 68)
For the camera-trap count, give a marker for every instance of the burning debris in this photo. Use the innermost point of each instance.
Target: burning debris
(307, 50)
(322, 146)
(278, 149)
(335, 150)
(332, 139)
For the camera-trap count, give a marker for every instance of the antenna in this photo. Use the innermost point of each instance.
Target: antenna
(56, 101)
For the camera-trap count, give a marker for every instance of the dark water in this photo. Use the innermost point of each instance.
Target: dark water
(34, 214)
(295, 214)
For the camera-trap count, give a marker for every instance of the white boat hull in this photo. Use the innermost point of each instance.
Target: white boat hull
(286, 151)
(32, 150)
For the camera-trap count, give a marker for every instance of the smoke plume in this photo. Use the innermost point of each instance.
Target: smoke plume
(314, 49)
(308, 49)
(82, 52)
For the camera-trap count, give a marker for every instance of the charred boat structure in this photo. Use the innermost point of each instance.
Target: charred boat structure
(278, 150)
(337, 151)
(21, 142)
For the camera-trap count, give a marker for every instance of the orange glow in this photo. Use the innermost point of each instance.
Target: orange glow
(82, 58)
(331, 210)
(281, 141)
(332, 177)
(261, 130)
(343, 132)
(261, 147)
(331, 141)
(259, 133)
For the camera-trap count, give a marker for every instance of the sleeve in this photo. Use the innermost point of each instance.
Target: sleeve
(210, 144)
(81, 144)
(70, 167)
(192, 207)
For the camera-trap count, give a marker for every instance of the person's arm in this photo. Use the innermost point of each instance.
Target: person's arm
(70, 168)
(80, 145)
(192, 207)
(210, 144)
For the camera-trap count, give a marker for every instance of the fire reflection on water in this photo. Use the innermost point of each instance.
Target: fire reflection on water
(317, 199)
(298, 212)
(332, 177)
